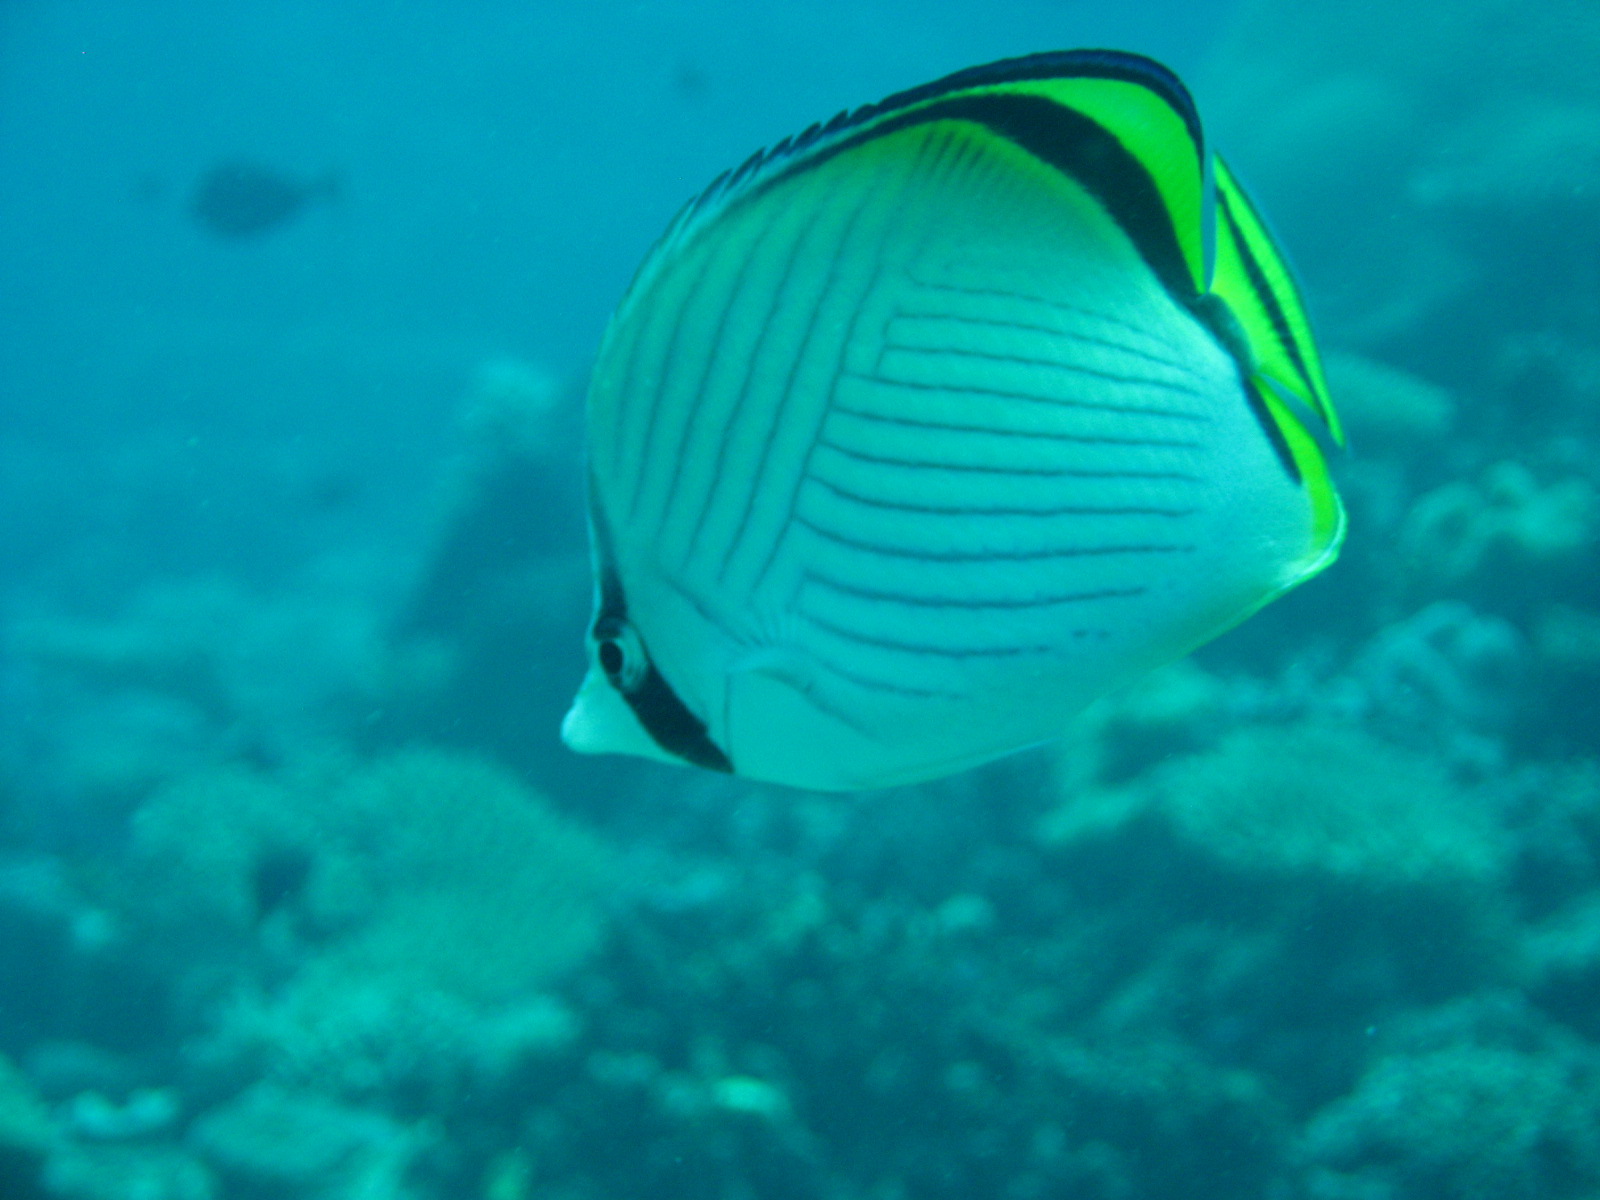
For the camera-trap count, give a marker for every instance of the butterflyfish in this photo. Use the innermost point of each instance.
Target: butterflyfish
(921, 430)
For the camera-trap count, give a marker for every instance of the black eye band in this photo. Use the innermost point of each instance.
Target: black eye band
(661, 712)
(675, 729)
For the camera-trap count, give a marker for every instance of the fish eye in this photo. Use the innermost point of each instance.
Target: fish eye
(621, 655)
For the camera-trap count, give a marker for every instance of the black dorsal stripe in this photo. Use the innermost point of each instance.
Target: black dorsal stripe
(1086, 151)
(1071, 142)
(1077, 146)
(1052, 64)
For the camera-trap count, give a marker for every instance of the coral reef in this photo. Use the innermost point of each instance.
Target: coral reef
(1506, 523)
(1444, 668)
(131, 1172)
(25, 1136)
(1508, 1113)
(498, 611)
(1312, 801)
(404, 964)
(424, 866)
(191, 673)
(270, 1141)
(300, 899)
(712, 1065)
(410, 1048)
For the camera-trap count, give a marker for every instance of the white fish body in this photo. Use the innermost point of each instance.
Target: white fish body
(917, 435)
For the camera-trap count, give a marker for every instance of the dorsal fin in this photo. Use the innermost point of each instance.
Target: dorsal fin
(1252, 277)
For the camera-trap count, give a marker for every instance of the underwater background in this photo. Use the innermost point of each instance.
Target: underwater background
(302, 899)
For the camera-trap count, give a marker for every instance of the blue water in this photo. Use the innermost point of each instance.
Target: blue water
(300, 895)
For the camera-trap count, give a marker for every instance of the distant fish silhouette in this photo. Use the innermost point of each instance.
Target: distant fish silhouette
(691, 80)
(279, 878)
(243, 199)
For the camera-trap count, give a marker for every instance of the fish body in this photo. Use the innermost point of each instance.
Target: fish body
(920, 431)
(238, 200)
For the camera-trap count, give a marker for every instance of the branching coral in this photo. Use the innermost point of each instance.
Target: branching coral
(1439, 674)
(425, 866)
(272, 1141)
(438, 897)
(1508, 1114)
(1312, 800)
(197, 845)
(1328, 800)
(1506, 520)
(412, 1047)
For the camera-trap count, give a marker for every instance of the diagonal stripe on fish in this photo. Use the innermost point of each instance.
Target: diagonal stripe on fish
(920, 431)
